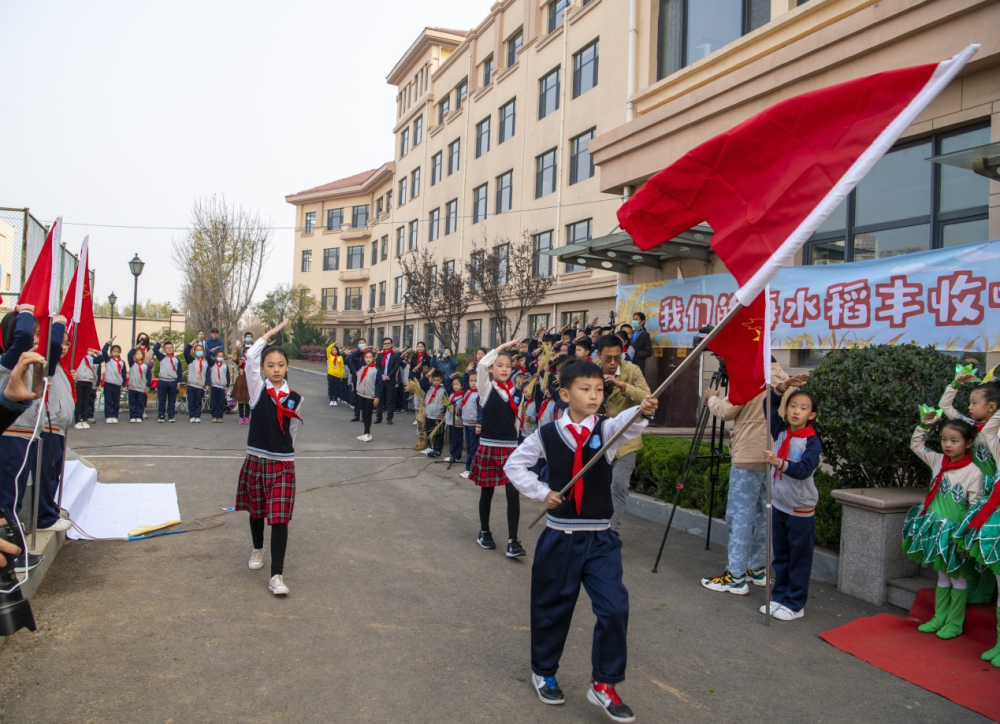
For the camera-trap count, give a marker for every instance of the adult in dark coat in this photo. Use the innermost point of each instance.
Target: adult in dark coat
(641, 342)
(387, 362)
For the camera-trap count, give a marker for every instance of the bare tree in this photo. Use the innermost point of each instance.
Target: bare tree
(509, 277)
(221, 257)
(441, 296)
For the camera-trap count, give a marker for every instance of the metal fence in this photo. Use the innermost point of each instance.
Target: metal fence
(21, 240)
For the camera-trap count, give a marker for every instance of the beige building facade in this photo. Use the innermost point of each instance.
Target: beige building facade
(492, 133)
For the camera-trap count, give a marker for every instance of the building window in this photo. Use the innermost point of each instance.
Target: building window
(356, 257)
(415, 183)
(688, 30)
(331, 259)
(328, 299)
(474, 333)
(503, 265)
(575, 234)
(514, 43)
(436, 168)
(395, 334)
(585, 69)
(400, 240)
(906, 205)
(334, 219)
(310, 221)
(488, 71)
(477, 263)
(385, 247)
(576, 319)
(479, 203)
(443, 107)
(418, 130)
(548, 94)
(352, 299)
(379, 205)
(381, 294)
(307, 260)
(397, 290)
(507, 113)
(483, 137)
(581, 163)
(461, 91)
(351, 337)
(404, 142)
(451, 217)
(374, 252)
(454, 155)
(449, 268)
(414, 230)
(429, 336)
(371, 296)
(542, 263)
(537, 321)
(388, 200)
(545, 174)
(433, 290)
(402, 190)
(556, 9)
(434, 225)
(379, 333)
(505, 192)
(359, 217)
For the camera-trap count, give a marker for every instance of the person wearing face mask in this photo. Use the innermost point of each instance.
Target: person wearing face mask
(197, 379)
(355, 361)
(641, 342)
(218, 379)
(213, 344)
(242, 349)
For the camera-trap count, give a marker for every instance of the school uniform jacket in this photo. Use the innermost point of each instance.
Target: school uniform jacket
(434, 402)
(372, 385)
(197, 372)
(170, 366)
(115, 372)
(470, 408)
(86, 370)
(24, 340)
(140, 376)
(218, 375)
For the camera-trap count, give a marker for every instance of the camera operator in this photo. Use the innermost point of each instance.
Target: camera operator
(746, 517)
(624, 388)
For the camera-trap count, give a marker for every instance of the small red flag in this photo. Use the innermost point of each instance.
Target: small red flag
(741, 344)
(41, 288)
(78, 308)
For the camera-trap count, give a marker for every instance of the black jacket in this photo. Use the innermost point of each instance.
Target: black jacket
(643, 347)
(395, 362)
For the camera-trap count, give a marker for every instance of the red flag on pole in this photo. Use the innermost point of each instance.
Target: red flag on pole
(78, 308)
(740, 343)
(41, 288)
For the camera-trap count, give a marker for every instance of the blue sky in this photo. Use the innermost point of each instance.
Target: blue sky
(123, 113)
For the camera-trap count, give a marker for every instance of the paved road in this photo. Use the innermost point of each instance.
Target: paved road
(395, 615)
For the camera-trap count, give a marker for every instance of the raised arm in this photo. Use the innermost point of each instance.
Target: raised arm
(24, 337)
(919, 449)
(989, 435)
(947, 402)
(187, 353)
(255, 383)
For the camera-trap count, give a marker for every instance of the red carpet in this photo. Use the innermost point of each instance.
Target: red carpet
(952, 668)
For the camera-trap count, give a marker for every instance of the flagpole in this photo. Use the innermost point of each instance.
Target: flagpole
(62, 473)
(766, 336)
(637, 413)
(40, 426)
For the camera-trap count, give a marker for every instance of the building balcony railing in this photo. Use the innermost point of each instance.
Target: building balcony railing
(352, 315)
(354, 275)
(348, 233)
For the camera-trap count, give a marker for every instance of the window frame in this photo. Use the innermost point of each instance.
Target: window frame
(483, 132)
(434, 224)
(400, 240)
(539, 258)
(415, 183)
(515, 41)
(381, 293)
(397, 290)
(310, 223)
(578, 67)
(306, 264)
(356, 255)
(418, 130)
(500, 207)
(349, 299)
(444, 108)
(330, 216)
(384, 255)
(374, 252)
(480, 195)
(461, 93)
(414, 236)
(543, 89)
(557, 10)
(451, 217)
(356, 213)
(501, 135)
(454, 156)
(402, 190)
(488, 70)
(404, 142)
(572, 238)
(474, 333)
(331, 253)
(540, 170)
(325, 297)
(437, 164)
(574, 155)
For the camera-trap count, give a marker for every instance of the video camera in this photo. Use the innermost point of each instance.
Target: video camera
(15, 611)
(700, 337)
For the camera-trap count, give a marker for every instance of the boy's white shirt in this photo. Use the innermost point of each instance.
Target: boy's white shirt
(531, 451)
(256, 384)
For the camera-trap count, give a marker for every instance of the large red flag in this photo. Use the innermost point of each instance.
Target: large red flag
(78, 308)
(41, 288)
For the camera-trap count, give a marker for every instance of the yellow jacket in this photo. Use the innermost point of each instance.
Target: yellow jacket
(334, 367)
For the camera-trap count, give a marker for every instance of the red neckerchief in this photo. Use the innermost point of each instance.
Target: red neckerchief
(946, 465)
(987, 510)
(383, 360)
(420, 358)
(119, 366)
(581, 437)
(980, 425)
(173, 363)
(508, 387)
(283, 411)
(806, 431)
(455, 397)
(364, 372)
(432, 394)
(541, 409)
(201, 367)
(219, 365)
(90, 365)
(334, 358)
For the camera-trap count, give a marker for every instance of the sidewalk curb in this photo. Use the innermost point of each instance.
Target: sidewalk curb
(826, 564)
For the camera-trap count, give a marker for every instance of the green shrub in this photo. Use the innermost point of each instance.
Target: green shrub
(291, 349)
(828, 511)
(868, 399)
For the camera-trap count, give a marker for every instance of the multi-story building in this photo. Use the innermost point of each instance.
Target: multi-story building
(492, 133)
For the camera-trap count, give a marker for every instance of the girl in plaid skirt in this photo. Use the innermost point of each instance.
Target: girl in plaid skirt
(267, 479)
(498, 439)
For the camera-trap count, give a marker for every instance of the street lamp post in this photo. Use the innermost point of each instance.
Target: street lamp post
(371, 326)
(112, 300)
(135, 266)
(402, 340)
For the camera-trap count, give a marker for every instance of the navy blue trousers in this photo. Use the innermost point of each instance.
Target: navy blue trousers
(53, 449)
(562, 563)
(12, 453)
(218, 403)
(471, 445)
(793, 539)
(455, 444)
(136, 404)
(166, 399)
(196, 399)
(112, 400)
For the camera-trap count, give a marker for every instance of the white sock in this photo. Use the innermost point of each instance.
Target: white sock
(943, 580)
(959, 584)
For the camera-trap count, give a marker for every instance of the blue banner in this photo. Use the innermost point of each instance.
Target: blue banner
(949, 298)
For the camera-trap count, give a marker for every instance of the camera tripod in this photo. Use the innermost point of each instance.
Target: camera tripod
(715, 456)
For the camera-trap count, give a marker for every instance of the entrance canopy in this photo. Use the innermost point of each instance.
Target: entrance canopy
(617, 252)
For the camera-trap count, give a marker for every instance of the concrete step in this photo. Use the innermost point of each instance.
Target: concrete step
(902, 592)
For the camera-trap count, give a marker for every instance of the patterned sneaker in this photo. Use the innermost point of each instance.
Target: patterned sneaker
(547, 689)
(277, 586)
(257, 559)
(605, 696)
(514, 549)
(758, 577)
(726, 582)
(485, 540)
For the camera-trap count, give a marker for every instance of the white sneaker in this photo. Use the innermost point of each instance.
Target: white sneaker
(774, 607)
(256, 559)
(784, 613)
(277, 586)
(465, 474)
(414, 422)
(447, 459)
(192, 420)
(78, 426)
(332, 403)
(110, 421)
(427, 451)
(368, 438)
(131, 420)
(60, 525)
(362, 437)
(114, 420)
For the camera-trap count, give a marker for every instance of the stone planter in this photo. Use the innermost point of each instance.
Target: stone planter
(871, 536)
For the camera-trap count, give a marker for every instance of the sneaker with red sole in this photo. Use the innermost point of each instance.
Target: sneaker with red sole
(605, 696)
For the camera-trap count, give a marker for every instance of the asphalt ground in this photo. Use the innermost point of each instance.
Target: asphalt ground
(395, 614)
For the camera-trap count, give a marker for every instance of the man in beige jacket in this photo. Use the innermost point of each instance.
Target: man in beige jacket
(624, 388)
(746, 517)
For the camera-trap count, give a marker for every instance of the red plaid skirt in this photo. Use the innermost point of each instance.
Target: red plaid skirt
(487, 466)
(267, 489)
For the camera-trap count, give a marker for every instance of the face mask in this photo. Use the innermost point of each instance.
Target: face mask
(362, 345)
(218, 359)
(249, 339)
(199, 353)
(636, 322)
